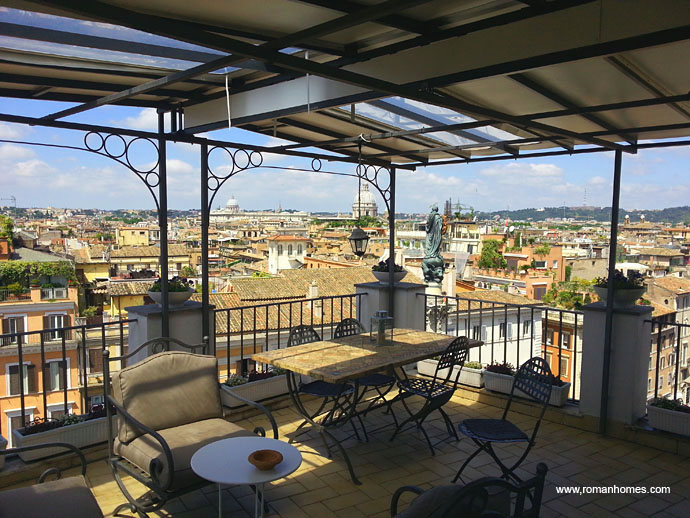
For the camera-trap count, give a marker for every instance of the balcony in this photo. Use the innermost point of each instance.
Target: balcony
(7, 295)
(568, 443)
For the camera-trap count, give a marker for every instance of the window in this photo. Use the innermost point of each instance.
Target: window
(649, 384)
(15, 421)
(502, 330)
(289, 249)
(555, 264)
(55, 375)
(661, 381)
(28, 379)
(299, 249)
(526, 328)
(565, 340)
(539, 292)
(540, 264)
(650, 364)
(54, 322)
(685, 353)
(95, 360)
(12, 325)
(549, 337)
(476, 332)
(563, 371)
(662, 364)
(548, 358)
(179, 266)
(142, 233)
(280, 249)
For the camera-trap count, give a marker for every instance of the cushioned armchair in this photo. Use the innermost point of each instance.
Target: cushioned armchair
(168, 406)
(62, 498)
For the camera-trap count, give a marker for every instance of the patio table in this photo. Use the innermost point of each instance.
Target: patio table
(347, 359)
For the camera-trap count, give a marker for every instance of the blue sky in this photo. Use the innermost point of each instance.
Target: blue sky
(42, 176)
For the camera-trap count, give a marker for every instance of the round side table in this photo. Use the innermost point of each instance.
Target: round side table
(225, 462)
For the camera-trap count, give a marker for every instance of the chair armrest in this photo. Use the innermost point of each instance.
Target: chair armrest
(256, 405)
(398, 493)
(56, 471)
(155, 467)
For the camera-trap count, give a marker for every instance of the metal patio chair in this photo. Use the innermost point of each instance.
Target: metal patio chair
(377, 382)
(436, 391)
(168, 406)
(533, 381)
(68, 497)
(489, 497)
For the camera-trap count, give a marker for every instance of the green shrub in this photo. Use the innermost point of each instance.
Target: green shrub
(15, 288)
(473, 365)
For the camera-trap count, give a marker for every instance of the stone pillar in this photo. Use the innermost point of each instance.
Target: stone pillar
(408, 301)
(630, 348)
(185, 322)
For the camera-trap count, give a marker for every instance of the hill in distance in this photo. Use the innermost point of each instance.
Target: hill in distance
(674, 215)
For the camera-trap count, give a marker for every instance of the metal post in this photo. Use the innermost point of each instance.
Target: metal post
(163, 221)
(608, 330)
(205, 326)
(391, 242)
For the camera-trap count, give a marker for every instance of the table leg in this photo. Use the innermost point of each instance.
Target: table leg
(220, 501)
(259, 501)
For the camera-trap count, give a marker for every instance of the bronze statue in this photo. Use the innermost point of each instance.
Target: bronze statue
(432, 265)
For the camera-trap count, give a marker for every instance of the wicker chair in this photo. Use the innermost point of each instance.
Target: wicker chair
(533, 380)
(168, 406)
(61, 498)
(488, 497)
(437, 391)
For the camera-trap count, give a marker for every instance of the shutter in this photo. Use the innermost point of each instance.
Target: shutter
(14, 379)
(509, 330)
(46, 325)
(31, 375)
(67, 322)
(484, 333)
(62, 376)
(20, 328)
(5, 330)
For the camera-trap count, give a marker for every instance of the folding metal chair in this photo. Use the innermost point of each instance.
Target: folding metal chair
(328, 392)
(437, 391)
(533, 381)
(378, 382)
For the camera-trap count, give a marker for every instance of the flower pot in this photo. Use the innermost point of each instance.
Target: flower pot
(383, 277)
(668, 420)
(621, 297)
(176, 299)
(255, 390)
(468, 376)
(80, 435)
(504, 383)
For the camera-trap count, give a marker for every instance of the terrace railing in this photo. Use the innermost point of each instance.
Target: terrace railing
(61, 369)
(512, 333)
(7, 295)
(53, 293)
(670, 369)
(243, 331)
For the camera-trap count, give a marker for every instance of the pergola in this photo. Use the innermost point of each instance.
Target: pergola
(382, 85)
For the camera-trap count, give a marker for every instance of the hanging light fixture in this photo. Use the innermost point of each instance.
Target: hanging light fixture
(359, 239)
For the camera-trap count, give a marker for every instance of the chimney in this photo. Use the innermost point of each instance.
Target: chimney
(317, 305)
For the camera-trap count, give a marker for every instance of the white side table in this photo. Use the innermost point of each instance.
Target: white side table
(225, 462)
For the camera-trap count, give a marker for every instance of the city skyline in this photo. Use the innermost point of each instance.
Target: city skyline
(70, 178)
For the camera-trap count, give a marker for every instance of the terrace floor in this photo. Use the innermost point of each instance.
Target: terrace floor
(322, 488)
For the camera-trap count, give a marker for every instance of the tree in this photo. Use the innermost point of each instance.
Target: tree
(6, 227)
(543, 250)
(568, 272)
(188, 271)
(491, 255)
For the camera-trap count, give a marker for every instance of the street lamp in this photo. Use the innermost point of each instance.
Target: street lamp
(358, 241)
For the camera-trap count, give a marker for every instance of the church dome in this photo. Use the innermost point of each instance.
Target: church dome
(367, 197)
(365, 203)
(232, 205)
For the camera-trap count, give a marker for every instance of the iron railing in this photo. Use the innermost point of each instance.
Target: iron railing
(247, 330)
(70, 346)
(666, 370)
(512, 333)
(7, 295)
(53, 293)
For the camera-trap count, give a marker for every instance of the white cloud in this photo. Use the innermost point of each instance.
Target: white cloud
(15, 152)
(146, 119)
(12, 131)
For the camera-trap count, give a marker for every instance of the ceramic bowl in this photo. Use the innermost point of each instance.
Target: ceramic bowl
(265, 459)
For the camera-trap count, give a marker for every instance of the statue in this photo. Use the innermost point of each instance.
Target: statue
(432, 265)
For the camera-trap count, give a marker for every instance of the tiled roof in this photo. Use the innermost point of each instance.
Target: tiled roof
(147, 251)
(673, 283)
(661, 309)
(664, 252)
(498, 296)
(287, 238)
(31, 255)
(119, 288)
(220, 300)
(91, 254)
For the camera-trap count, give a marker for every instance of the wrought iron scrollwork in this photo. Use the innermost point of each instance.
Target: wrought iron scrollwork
(121, 149)
(372, 174)
(239, 160)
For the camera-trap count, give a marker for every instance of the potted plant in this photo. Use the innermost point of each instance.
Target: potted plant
(381, 272)
(79, 430)
(669, 415)
(627, 288)
(256, 386)
(472, 373)
(179, 290)
(499, 378)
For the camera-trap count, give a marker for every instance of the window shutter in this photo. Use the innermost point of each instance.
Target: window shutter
(20, 328)
(484, 333)
(31, 375)
(67, 322)
(62, 364)
(5, 330)
(14, 379)
(509, 330)
(46, 325)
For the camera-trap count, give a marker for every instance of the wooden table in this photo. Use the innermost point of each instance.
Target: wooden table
(344, 359)
(349, 358)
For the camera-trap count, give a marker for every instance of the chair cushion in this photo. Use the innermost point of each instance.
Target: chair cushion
(438, 502)
(492, 430)
(184, 441)
(65, 498)
(320, 388)
(166, 390)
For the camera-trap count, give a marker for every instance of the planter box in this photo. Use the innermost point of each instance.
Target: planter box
(256, 390)
(80, 435)
(3, 445)
(384, 277)
(468, 376)
(504, 384)
(176, 299)
(668, 420)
